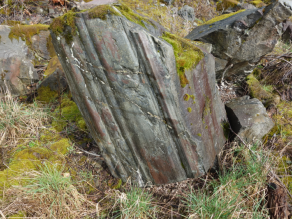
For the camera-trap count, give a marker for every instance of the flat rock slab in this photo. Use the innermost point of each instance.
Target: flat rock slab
(243, 38)
(123, 78)
(248, 118)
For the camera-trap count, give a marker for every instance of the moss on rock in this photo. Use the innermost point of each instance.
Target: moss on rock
(222, 17)
(187, 55)
(256, 90)
(52, 66)
(60, 24)
(25, 32)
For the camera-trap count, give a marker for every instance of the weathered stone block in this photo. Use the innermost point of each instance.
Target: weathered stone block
(248, 119)
(243, 38)
(124, 80)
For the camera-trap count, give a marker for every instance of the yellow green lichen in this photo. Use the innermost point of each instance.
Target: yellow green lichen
(187, 55)
(186, 97)
(222, 17)
(189, 109)
(52, 66)
(199, 134)
(25, 32)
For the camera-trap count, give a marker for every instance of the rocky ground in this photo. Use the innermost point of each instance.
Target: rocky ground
(51, 166)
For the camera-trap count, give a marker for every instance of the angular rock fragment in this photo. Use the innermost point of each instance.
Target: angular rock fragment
(248, 118)
(149, 125)
(242, 38)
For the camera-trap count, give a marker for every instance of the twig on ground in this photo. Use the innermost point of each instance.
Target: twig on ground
(90, 153)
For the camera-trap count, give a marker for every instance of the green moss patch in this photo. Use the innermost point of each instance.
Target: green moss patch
(60, 24)
(69, 113)
(256, 90)
(50, 148)
(187, 55)
(45, 94)
(25, 32)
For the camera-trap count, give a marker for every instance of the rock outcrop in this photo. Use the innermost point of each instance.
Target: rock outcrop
(241, 39)
(248, 119)
(21, 48)
(149, 123)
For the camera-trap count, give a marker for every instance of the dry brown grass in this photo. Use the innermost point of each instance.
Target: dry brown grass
(18, 121)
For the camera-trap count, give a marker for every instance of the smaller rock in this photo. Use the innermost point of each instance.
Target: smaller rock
(187, 13)
(248, 118)
(287, 31)
(54, 77)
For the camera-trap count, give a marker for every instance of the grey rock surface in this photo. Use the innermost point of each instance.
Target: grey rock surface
(123, 78)
(243, 38)
(187, 13)
(55, 81)
(16, 68)
(248, 118)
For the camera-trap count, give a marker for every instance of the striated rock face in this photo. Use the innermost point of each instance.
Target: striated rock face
(124, 80)
(248, 118)
(242, 39)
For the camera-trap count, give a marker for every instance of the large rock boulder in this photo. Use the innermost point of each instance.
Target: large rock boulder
(242, 38)
(21, 48)
(248, 119)
(149, 123)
